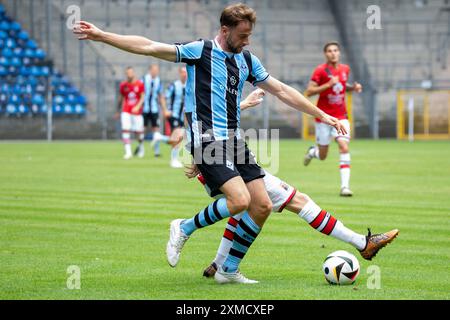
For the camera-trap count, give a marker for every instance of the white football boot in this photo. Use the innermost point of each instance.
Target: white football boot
(223, 277)
(175, 163)
(308, 157)
(346, 192)
(127, 156)
(177, 239)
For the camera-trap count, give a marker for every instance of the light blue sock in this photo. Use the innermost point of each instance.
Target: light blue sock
(174, 153)
(157, 148)
(246, 232)
(216, 211)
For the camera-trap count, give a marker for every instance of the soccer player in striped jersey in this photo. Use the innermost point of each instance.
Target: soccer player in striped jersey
(130, 103)
(217, 71)
(284, 196)
(154, 98)
(329, 80)
(174, 103)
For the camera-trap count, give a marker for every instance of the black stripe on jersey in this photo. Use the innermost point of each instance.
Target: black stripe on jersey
(173, 96)
(248, 60)
(203, 88)
(232, 91)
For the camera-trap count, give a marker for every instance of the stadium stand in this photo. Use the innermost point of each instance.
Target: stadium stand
(24, 77)
(412, 46)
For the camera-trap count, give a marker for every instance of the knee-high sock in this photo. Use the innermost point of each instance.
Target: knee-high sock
(157, 148)
(327, 224)
(126, 139)
(344, 165)
(227, 239)
(216, 211)
(246, 232)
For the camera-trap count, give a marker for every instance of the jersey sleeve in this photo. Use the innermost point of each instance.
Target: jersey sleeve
(121, 87)
(258, 72)
(317, 75)
(190, 52)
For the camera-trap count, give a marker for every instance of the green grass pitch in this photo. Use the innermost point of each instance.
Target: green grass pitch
(79, 203)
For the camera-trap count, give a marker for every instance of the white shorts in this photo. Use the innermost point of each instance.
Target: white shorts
(280, 193)
(324, 132)
(132, 122)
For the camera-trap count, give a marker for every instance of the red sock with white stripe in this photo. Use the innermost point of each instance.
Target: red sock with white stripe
(327, 224)
(227, 239)
(344, 165)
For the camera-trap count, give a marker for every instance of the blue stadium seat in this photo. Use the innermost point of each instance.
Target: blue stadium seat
(4, 61)
(7, 53)
(58, 99)
(23, 35)
(38, 99)
(4, 25)
(10, 43)
(31, 44)
(23, 82)
(58, 109)
(79, 109)
(68, 109)
(22, 109)
(11, 109)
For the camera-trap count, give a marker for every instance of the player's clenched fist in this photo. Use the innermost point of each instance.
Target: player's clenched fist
(87, 31)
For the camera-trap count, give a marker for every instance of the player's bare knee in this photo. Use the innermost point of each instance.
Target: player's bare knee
(238, 203)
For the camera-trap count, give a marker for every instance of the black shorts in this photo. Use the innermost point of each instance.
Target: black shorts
(222, 161)
(175, 123)
(152, 118)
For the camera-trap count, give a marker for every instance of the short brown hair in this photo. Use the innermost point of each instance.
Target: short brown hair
(331, 43)
(235, 13)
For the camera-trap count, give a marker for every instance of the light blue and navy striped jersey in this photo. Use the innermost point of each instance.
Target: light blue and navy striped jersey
(175, 99)
(214, 88)
(153, 88)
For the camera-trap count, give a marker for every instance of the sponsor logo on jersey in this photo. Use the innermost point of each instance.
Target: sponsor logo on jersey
(230, 165)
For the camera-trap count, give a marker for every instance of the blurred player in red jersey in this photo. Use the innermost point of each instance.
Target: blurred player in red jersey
(329, 80)
(130, 103)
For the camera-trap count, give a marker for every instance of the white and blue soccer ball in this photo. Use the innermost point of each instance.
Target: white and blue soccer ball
(341, 267)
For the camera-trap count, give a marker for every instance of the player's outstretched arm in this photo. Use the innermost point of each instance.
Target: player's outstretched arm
(296, 100)
(134, 44)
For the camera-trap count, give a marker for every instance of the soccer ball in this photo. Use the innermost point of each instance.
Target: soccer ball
(341, 267)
